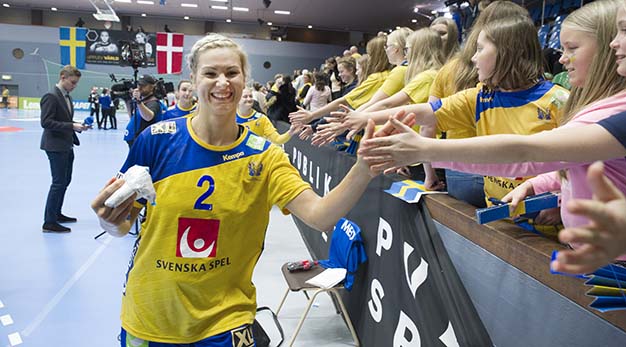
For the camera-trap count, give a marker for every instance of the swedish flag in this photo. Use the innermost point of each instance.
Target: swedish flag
(73, 45)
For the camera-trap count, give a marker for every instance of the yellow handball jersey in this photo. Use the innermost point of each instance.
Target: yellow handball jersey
(260, 124)
(487, 112)
(190, 276)
(364, 91)
(395, 81)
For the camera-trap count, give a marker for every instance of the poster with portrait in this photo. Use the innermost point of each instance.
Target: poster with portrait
(104, 46)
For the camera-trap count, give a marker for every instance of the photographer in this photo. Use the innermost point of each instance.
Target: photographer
(147, 110)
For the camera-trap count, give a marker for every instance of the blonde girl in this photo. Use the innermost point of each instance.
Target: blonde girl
(449, 32)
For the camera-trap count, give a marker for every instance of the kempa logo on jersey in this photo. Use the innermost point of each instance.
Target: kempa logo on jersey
(229, 157)
(197, 238)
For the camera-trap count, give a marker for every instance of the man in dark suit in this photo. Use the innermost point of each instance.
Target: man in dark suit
(58, 138)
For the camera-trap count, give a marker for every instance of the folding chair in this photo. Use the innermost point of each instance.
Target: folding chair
(296, 281)
(346, 251)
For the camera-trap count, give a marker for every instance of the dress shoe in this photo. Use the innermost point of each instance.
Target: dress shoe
(54, 228)
(65, 219)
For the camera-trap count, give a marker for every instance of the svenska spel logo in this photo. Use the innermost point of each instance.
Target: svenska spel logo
(197, 238)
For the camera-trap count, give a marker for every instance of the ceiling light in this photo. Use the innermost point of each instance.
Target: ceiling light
(310, 27)
(228, 20)
(123, 1)
(219, 7)
(281, 12)
(145, 2)
(6, 5)
(188, 5)
(397, 28)
(143, 14)
(220, 0)
(186, 17)
(416, 10)
(53, 9)
(433, 11)
(241, 9)
(269, 23)
(413, 20)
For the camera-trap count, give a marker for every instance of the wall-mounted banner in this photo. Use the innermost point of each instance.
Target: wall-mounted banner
(104, 46)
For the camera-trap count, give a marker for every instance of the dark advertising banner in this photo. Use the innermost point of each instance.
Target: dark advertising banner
(104, 46)
(408, 293)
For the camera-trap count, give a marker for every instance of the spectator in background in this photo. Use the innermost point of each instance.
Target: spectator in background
(346, 53)
(307, 81)
(469, 13)
(347, 72)
(447, 29)
(361, 65)
(331, 70)
(318, 96)
(354, 50)
(105, 106)
(299, 79)
(281, 100)
(258, 94)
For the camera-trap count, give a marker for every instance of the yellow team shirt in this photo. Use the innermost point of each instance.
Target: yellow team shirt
(486, 112)
(395, 81)
(190, 276)
(443, 85)
(418, 89)
(364, 91)
(261, 125)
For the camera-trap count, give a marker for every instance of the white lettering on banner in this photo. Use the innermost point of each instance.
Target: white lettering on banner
(317, 178)
(327, 180)
(419, 276)
(384, 237)
(449, 337)
(375, 304)
(30, 105)
(306, 168)
(400, 338)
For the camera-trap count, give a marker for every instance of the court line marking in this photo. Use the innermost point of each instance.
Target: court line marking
(68, 285)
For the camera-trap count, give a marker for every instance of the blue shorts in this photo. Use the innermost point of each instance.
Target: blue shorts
(238, 337)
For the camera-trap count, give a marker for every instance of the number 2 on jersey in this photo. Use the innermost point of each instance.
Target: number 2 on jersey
(200, 203)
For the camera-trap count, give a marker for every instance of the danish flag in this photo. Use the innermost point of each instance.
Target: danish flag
(169, 53)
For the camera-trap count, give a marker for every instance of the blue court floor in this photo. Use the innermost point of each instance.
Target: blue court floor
(65, 289)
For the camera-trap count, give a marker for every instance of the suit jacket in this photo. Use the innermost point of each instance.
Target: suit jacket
(57, 123)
